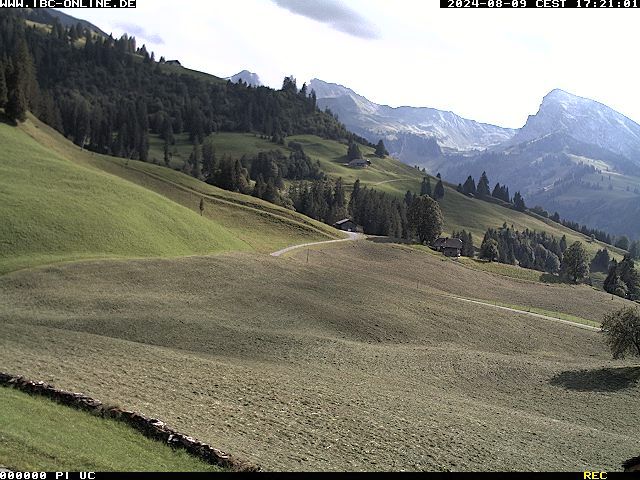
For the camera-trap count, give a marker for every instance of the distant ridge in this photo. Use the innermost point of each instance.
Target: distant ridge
(413, 134)
(247, 77)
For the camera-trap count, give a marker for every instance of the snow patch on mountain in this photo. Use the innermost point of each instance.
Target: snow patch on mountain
(247, 77)
(448, 129)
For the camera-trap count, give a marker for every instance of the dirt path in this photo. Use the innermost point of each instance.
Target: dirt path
(352, 237)
(531, 314)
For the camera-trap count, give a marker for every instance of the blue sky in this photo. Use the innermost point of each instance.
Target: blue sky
(492, 66)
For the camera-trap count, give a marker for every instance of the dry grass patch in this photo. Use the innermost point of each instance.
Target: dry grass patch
(355, 361)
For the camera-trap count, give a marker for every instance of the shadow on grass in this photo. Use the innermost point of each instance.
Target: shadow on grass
(4, 119)
(549, 278)
(602, 380)
(388, 240)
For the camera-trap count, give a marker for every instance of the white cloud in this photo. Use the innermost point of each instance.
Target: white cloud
(333, 13)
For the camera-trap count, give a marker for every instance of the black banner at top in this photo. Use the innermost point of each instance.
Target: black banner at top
(584, 4)
(67, 3)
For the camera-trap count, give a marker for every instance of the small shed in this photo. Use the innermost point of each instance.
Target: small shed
(359, 163)
(174, 62)
(346, 225)
(632, 465)
(451, 247)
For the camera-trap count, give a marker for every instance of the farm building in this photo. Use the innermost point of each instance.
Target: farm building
(632, 465)
(359, 163)
(451, 247)
(346, 225)
(174, 62)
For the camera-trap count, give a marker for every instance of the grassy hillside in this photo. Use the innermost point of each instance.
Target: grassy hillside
(55, 210)
(343, 363)
(617, 193)
(39, 435)
(60, 203)
(390, 176)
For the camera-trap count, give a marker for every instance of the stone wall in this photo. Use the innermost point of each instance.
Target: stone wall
(149, 427)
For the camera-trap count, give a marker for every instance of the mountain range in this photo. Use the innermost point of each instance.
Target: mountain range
(408, 132)
(575, 156)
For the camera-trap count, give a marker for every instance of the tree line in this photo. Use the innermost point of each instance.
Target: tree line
(528, 249)
(378, 213)
(482, 191)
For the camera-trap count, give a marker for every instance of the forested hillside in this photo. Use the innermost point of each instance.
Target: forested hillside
(109, 94)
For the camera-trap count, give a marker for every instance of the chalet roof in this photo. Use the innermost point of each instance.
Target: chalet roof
(631, 462)
(448, 243)
(359, 161)
(346, 220)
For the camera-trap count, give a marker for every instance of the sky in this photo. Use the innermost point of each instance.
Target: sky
(493, 66)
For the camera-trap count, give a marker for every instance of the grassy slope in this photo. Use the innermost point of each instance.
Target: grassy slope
(55, 210)
(347, 364)
(37, 434)
(60, 203)
(262, 225)
(390, 176)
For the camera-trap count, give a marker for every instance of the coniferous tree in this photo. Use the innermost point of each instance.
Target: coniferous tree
(17, 105)
(21, 82)
(518, 202)
(381, 150)
(601, 261)
(270, 191)
(167, 154)
(483, 186)
(438, 192)
(338, 206)
(563, 244)
(260, 187)
(613, 284)
(425, 219)
(353, 151)
(209, 162)
(408, 198)
(630, 277)
(468, 250)
(355, 197)
(3, 86)
(425, 188)
(469, 187)
(497, 191)
(552, 263)
(195, 161)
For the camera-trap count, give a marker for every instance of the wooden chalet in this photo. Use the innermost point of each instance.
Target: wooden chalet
(359, 163)
(451, 247)
(346, 225)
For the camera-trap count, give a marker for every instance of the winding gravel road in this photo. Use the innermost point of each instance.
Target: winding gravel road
(531, 314)
(352, 238)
